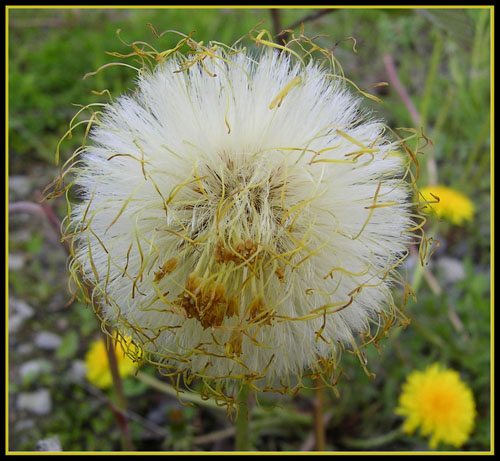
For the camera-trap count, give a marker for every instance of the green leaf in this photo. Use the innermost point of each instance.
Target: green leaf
(34, 245)
(69, 346)
(133, 387)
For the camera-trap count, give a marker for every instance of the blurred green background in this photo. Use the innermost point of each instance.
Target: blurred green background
(442, 58)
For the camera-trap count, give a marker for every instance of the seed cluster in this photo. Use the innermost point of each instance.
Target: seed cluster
(242, 251)
(209, 242)
(166, 269)
(258, 312)
(206, 302)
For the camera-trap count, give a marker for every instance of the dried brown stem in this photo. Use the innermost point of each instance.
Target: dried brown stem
(121, 404)
(156, 430)
(275, 16)
(280, 33)
(25, 207)
(398, 86)
(52, 219)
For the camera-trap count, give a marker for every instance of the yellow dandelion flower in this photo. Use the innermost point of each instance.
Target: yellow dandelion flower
(452, 205)
(97, 365)
(440, 403)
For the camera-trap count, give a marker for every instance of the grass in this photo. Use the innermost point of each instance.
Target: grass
(442, 59)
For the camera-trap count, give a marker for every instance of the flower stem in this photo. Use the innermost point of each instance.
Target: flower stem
(373, 442)
(400, 89)
(319, 425)
(420, 269)
(169, 390)
(121, 403)
(242, 420)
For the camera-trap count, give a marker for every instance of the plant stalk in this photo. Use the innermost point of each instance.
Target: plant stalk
(120, 400)
(178, 394)
(243, 419)
(319, 421)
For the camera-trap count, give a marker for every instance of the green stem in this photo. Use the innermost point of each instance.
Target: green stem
(373, 442)
(169, 390)
(419, 268)
(242, 420)
(431, 78)
(475, 152)
(481, 38)
(443, 113)
(319, 424)
(417, 277)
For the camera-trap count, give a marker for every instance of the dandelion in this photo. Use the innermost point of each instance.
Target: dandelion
(452, 205)
(97, 364)
(241, 215)
(440, 403)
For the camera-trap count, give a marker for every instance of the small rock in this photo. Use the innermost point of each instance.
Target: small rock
(15, 323)
(16, 261)
(19, 312)
(20, 307)
(158, 415)
(50, 444)
(24, 234)
(47, 340)
(24, 425)
(62, 323)
(34, 368)
(20, 187)
(453, 269)
(77, 371)
(25, 349)
(38, 402)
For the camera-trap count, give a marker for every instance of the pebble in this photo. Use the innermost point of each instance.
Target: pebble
(20, 187)
(50, 444)
(453, 269)
(37, 402)
(158, 415)
(16, 261)
(33, 368)
(24, 425)
(25, 349)
(18, 306)
(19, 312)
(15, 323)
(47, 340)
(77, 371)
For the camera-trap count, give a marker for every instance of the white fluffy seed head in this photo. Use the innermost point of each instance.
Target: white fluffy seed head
(241, 218)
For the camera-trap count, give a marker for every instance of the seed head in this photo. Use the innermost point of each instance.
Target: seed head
(241, 215)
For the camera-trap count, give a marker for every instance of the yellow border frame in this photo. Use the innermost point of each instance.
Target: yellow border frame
(490, 7)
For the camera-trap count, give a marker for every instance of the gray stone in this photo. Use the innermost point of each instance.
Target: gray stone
(25, 349)
(34, 368)
(77, 371)
(50, 444)
(453, 269)
(24, 234)
(20, 307)
(47, 340)
(24, 425)
(16, 261)
(20, 187)
(19, 312)
(38, 402)
(15, 323)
